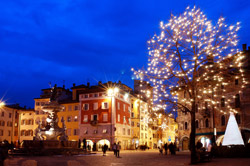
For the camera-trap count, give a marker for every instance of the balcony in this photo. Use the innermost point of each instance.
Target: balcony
(93, 122)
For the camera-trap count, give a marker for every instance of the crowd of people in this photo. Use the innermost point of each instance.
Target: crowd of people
(168, 147)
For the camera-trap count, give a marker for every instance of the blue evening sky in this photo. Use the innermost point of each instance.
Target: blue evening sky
(82, 41)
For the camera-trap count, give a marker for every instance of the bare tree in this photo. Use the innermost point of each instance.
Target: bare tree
(192, 56)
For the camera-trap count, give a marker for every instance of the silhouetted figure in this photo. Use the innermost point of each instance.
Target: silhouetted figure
(171, 148)
(114, 149)
(198, 145)
(104, 149)
(118, 148)
(84, 144)
(79, 143)
(166, 148)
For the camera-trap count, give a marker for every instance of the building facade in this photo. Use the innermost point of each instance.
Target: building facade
(210, 122)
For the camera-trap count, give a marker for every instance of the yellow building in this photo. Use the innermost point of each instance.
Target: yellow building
(70, 115)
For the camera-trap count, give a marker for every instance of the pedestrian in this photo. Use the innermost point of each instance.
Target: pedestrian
(105, 148)
(160, 150)
(114, 149)
(84, 144)
(79, 143)
(118, 148)
(166, 148)
(171, 148)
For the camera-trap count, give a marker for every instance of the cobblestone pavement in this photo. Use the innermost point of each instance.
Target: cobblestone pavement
(134, 158)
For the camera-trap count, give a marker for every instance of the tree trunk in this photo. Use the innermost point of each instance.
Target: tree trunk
(192, 135)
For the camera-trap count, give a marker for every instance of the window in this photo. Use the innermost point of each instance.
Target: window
(123, 131)
(132, 105)
(124, 107)
(118, 105)
(207, 123)
(129, 121)
(37, 104)
(86, 96)
(138, 124)
(222, 86)
(141, 135)
(105, 105)
(37, 112)
(42, 103)
(237, 117)
(105, 117)
(124, 119)
(95, 106)
(70, 108)
(96, 95)
(85, 107)
(76, 107)
(85, 118)
(222, 104)
(94, 117)
(132, 124)
(128, 131)
(196, 124)
(69, 119)
(142, 127)
(185, 125)
(9, 132)
(95, 131)
(68, 132)
(118, 118)
(76, 119)
(146, 135)
(104, 131)
(22, 132)
(237, 101)
(2, 114)
(9, 115)
(236, 82)
(132, 115)
(223, 120)
(76, 131)
(85, 132)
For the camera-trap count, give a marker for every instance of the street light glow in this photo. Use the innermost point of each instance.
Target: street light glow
(2, 103)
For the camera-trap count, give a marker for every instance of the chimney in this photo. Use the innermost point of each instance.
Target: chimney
(244, 46)
(74, 84)
(88, 84)
(100, 82)
(119, 82)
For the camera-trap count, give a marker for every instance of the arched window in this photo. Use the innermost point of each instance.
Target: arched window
(237, 101)
(31, 132)
(207, 123)
(196, 124)
(26, 133)
(22, 132)
(186, 125)
(237, 117)
(223, 120)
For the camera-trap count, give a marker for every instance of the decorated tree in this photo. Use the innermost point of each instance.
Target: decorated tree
(194, 57)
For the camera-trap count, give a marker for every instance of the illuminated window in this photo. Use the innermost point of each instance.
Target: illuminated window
(69, 119)
(75, 118)
(95, 105)
(118, 118)
(124, 107)
(124, 119)
(105, 105)
(118, 105)
(104, 131)
(85, 119)
(128, 131)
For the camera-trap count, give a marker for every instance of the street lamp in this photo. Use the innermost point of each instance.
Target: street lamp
(2, 104)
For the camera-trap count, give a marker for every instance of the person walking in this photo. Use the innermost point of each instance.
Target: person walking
(114, 149)
(104, 149)
(118, 148)
(166, 148)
